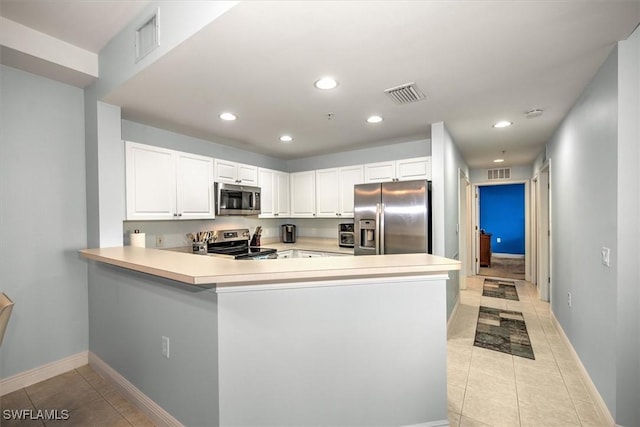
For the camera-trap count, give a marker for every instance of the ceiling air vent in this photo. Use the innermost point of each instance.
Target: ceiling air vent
(504, 173)
(405, 94)
(147, 37)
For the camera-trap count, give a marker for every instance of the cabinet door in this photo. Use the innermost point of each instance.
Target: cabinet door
(303, 194)
(266, 179)
(349, 177)
(309, 254)
(226, 171)
(194, 187)
(380, 172)
(281, 185)
(416, 168)
(150, 182)
(327, 193)
(247, 175)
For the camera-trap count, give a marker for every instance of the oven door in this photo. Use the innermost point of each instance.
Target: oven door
(237, 199)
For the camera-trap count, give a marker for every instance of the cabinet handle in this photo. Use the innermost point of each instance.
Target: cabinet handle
(175, 214)
(179, 214)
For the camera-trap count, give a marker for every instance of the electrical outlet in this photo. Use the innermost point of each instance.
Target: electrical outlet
(159, 241)
(569, 299)
(165, 347)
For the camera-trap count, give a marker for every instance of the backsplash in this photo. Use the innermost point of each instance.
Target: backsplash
(174, 233)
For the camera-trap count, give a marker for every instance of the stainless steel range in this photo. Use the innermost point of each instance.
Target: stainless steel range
(235, 244)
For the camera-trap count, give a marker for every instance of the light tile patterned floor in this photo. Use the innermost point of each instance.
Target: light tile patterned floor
(88, 398)
(489, 388)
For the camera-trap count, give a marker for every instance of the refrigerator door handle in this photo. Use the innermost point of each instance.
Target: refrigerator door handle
(377, 230)
(381, 227)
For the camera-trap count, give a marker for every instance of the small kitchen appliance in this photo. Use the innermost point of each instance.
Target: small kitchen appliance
(288, 233)
(235, 244)
(236, 199)
(345, 235)
(392, 218)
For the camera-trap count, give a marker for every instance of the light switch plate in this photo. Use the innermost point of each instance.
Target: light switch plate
(606, 256)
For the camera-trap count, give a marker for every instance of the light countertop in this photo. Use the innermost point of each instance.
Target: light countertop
(209, 270)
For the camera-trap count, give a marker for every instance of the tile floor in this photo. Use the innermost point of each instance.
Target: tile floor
(485, 387)
(89, 400)
(489, 388)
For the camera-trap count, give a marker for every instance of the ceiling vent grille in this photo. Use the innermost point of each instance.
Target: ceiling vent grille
(405, 94)
(504, 173)
(147, 36)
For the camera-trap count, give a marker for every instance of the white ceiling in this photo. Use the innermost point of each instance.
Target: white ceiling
(476, 61)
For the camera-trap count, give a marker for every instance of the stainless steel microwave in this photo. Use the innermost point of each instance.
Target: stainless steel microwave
(234, 199)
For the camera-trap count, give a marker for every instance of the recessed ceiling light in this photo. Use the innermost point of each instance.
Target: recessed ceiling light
(502, 124)
(286, 138)
(498, 161)
(374, 119)
(228, 116)
(326, 83)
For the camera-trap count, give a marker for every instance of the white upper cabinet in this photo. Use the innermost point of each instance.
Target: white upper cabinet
(398, 170)
(416, 168)
(167, 184)
(274, 193)
(349, 177)
(195, 186)
(303, 194)
(235, 173)
(334, 190)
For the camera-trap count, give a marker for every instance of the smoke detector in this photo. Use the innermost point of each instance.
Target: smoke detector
(533, 113)
(405, 94)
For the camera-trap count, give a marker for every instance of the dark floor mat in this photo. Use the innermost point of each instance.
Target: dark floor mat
(503, 331)
(496, 288)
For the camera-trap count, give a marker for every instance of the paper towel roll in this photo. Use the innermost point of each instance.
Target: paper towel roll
(137, 239)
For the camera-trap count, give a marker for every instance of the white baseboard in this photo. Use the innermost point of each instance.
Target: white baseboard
(159, 416)
(601, 406)
(503, 255)
(439, 423)
(41, 373)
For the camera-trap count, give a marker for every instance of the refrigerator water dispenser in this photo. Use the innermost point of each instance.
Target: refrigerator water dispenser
(367, 233)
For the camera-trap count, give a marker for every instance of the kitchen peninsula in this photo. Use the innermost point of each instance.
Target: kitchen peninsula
(315, 341)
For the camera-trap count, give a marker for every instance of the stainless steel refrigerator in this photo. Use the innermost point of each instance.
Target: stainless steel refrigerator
(392, 218)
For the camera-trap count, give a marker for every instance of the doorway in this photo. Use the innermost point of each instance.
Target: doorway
(542, 196)
(502, 223)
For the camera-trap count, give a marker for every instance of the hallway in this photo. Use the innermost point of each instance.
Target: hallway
(489, 388)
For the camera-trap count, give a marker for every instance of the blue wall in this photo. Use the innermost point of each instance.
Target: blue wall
(502, 215)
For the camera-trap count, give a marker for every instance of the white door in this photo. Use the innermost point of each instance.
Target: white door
(544, 236)
(226, 171)
(349, 177)
(281, 187)
(267, 194)
(150, 182)
(327, 193)
(380, 172)
(247, 175)
(194, 191)
(416, 168)
(303, 194)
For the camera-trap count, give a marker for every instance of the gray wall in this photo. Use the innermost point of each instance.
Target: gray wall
(447, 162)
(42, 220)
(583, 154)
(628, 303)
(130, 313)
(594, 195)
(403, 150)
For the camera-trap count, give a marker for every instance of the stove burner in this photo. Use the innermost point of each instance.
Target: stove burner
(235, 243)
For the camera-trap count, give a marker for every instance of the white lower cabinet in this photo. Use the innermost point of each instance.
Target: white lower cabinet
(167, 184)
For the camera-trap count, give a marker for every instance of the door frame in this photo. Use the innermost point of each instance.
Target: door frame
(544, 232)
(527, 222)
(464, 229)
